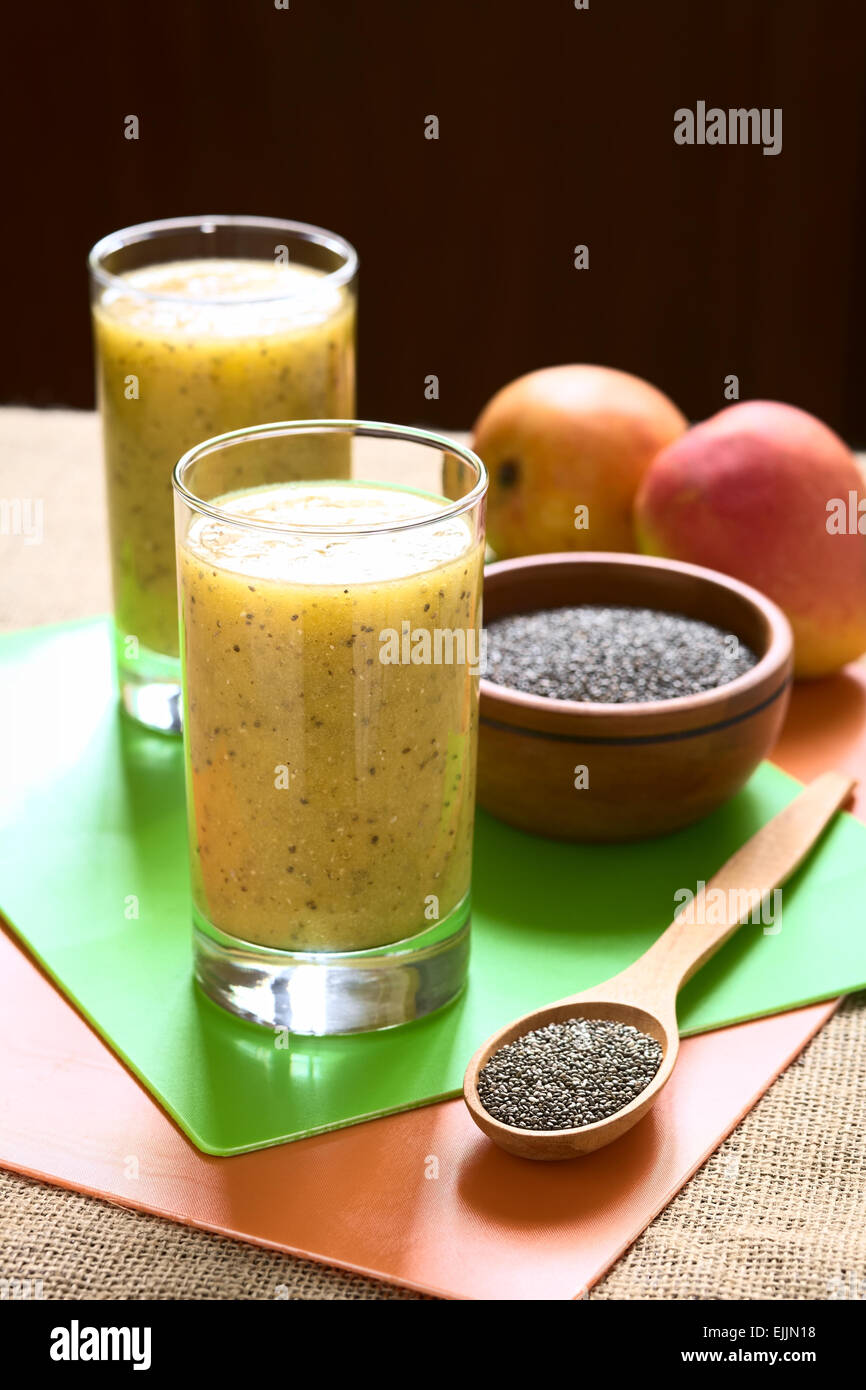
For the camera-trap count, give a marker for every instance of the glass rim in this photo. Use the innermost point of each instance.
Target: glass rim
(373, 429)
(151, 231)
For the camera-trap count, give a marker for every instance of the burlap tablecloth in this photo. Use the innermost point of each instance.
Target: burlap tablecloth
(777, 1212)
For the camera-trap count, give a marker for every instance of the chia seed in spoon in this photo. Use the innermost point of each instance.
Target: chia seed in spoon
(567, 1075)
(612, 655)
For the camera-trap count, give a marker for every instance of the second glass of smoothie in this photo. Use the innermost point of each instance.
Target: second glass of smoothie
(201, 326)
(331, 648)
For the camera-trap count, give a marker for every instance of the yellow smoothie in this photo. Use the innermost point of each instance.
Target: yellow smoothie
(330, 787)
(244, 342)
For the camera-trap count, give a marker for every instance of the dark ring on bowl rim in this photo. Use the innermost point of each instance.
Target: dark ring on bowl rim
(636, 740)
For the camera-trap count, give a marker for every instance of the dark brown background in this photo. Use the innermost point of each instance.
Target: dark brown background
(556, 129)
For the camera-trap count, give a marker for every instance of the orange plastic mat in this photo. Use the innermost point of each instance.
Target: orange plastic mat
(421, 1198)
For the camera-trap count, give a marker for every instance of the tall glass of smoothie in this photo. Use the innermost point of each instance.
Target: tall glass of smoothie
(203, 325)
(331, 647)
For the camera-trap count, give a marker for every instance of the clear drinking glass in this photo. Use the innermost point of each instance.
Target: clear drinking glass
(201, 325)
(331, 647)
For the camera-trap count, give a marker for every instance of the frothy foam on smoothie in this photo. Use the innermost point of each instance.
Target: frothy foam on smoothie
(311, 558)
(226, 298)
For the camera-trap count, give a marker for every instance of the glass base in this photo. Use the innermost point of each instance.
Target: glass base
(323, 993)
(150, 691)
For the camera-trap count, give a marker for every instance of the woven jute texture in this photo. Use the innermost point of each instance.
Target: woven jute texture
(776, 1213)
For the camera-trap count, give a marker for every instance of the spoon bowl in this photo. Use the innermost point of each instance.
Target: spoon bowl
(549, 1144)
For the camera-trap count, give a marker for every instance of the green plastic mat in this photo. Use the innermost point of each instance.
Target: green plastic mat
(93, 832)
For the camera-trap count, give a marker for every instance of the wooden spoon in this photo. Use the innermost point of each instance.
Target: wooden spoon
(645, 994)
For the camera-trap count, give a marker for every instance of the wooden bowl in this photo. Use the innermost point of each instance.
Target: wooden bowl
(651, 767)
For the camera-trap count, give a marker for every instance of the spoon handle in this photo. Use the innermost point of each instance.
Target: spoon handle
(764, 863)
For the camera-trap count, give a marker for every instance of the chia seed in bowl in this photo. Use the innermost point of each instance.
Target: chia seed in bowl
(612, 655)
